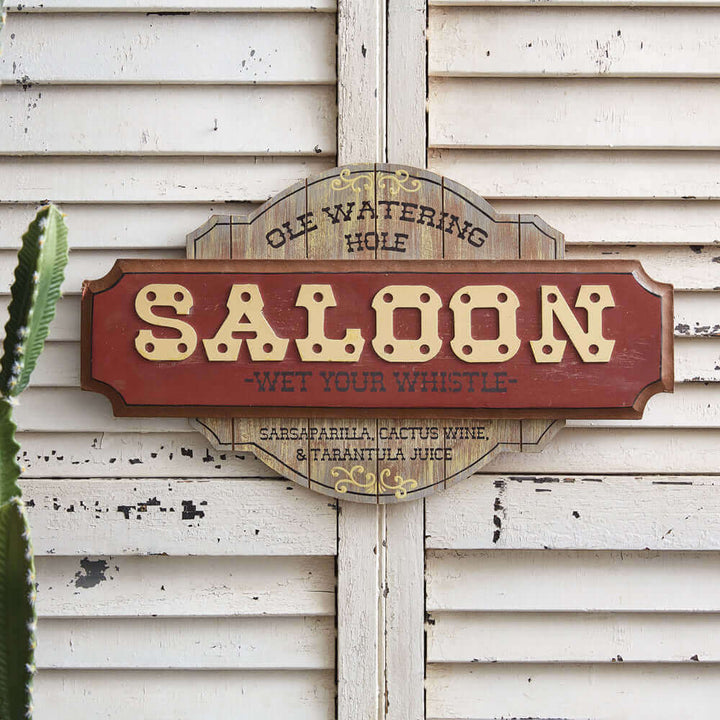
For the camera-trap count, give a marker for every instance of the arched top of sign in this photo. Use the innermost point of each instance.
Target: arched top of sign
(373, 212)
(376, 333)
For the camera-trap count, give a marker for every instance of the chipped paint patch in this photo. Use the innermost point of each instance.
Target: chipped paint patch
(92, 573)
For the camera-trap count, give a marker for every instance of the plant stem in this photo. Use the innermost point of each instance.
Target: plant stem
(9, 468)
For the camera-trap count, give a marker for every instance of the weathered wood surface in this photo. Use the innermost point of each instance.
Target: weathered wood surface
(536, 512)
(178, 517)
(555, 638)
(599, 41)
(251, 643)
(631, 222)
(136, 180)
(128, 586)
(583, 581)
(572, 113)
(613, 691)
(246, 120)
(572, 3)
(295, 48)
(156, 226)
(586, 174)
(183, 695)
(175, 454)
(52, 6)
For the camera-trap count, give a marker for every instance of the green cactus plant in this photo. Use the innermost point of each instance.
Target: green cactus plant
(34, 295)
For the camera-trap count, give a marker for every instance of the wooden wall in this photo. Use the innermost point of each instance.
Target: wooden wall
(174, 581)
(597, 598)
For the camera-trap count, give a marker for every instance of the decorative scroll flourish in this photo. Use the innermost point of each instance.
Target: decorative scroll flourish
(369, 483)
(357, 184)
(393, 182)
(400, 179)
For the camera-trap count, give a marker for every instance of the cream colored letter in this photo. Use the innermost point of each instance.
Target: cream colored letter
(496, 297)
(245, 302)
(393, 349)
(591, 345)
(160, 349)
(316, 347)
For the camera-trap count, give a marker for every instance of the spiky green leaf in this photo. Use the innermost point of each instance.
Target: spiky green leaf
(35, 292)
(17, 613)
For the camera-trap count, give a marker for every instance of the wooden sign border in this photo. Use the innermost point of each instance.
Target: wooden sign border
(664, 383)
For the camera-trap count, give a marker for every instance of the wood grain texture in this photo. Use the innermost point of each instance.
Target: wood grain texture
(178, 517)
(107, 120)
(177, 6)
(601, 581)
(128, 586)
(252, 643)
(643, 692)
(142, 48)
(181, 695)
(555, 638)
(582, 174)
(592, 42)
(619, 222)
(154, 454)
(159, 227)
(572, 113)
(580, 512)
(361, 62)
(140, 180)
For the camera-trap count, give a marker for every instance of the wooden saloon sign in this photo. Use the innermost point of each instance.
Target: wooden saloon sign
(303, 334)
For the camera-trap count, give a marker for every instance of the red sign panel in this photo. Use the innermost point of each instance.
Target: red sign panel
(450, 339)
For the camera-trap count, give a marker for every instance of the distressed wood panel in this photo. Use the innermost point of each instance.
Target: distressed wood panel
(621, 451)
(612, 691)
(590, 41)
(691, 405)
(51, 6)
(688, 268)
(140, 180)
(142, 48)
(563, 580)
(592, 175)
(179, 517)
(83, 412)
(696, 360)
(291, 643)
(156, 226)
(184, 586)
(573, 113)
(184, 695)
(572, 3)
(530, 512)
(107, 120)
(574, 450)
(113, 455)
(573, 637)
(617, 222)
(696, 315)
